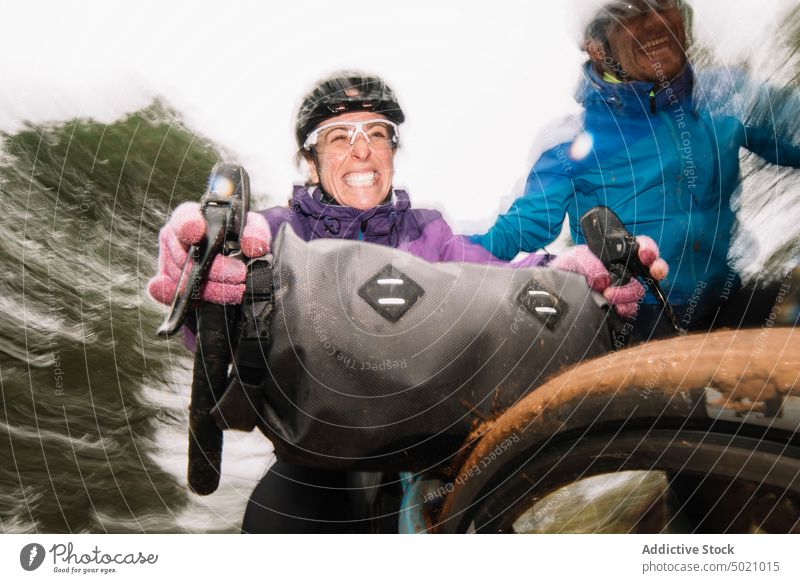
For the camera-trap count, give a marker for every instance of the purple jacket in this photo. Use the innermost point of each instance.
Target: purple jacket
(421, 232)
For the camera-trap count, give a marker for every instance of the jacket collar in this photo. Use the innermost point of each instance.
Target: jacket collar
(635, 96)
(343, 222)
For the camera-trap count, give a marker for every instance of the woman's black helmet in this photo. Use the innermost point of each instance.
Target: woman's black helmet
(344, 92)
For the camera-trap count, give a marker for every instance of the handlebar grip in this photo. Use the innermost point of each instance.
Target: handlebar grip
(212, 357)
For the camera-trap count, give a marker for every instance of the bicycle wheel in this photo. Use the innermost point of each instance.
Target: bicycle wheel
(697, 433)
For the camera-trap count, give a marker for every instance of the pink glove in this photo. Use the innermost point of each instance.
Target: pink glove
(225, 281)
(624, 298)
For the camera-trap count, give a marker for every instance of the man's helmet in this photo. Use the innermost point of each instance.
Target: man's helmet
(343, 92)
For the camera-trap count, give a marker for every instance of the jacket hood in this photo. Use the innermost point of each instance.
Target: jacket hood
(634, 96)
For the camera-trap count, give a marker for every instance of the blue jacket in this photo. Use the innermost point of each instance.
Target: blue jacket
(665, 159)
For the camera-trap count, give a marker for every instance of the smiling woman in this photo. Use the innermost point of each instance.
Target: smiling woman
(350, 155)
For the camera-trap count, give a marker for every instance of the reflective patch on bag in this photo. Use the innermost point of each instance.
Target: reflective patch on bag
(543, 304)
(391, 293)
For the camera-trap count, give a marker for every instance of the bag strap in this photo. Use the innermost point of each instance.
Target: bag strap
(241, 403)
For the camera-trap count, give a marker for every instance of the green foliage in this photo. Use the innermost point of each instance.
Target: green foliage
(81, 203)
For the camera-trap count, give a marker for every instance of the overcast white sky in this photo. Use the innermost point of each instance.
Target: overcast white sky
(478, 80)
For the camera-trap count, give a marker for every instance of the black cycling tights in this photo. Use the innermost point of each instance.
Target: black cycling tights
(297, 499)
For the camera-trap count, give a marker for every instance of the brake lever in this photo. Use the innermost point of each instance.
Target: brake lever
(617, 248)
(224, 207)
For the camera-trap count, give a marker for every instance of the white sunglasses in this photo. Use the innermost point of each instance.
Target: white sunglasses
(379, 133)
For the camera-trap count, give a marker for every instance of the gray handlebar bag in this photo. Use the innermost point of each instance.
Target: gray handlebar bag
(380, 360)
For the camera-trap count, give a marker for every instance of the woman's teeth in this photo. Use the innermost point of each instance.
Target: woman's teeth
(360, 179)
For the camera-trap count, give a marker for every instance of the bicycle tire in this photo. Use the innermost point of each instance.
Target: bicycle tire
(722, 404)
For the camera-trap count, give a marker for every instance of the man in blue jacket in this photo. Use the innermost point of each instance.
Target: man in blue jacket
(660, 146)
